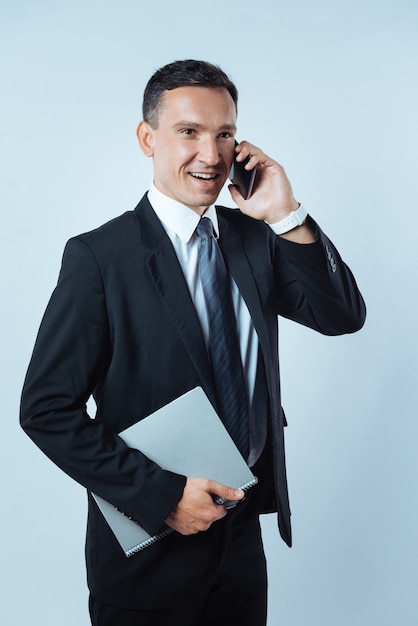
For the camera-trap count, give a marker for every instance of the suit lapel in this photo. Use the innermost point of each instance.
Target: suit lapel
(240, 269)
(170, 283)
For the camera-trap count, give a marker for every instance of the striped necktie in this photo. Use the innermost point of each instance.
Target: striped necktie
(223, 340)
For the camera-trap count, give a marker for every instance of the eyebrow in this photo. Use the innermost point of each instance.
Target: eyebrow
(188, 124)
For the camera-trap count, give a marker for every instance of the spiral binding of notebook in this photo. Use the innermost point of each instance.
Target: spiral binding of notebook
(148, 542)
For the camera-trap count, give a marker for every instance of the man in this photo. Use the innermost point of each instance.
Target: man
(130, 322)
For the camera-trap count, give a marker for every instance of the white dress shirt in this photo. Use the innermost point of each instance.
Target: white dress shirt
(179, 222)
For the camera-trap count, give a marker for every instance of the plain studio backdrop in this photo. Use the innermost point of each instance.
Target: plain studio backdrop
(327, 88)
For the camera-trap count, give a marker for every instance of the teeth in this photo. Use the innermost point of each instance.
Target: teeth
(203, 176)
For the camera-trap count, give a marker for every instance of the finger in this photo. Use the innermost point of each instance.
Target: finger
(228, 493)
(250, 152)
(254, 160)
(235, 195)
(180, 526)
(244, 150)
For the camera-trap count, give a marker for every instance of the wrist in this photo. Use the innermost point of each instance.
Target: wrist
(292, 220)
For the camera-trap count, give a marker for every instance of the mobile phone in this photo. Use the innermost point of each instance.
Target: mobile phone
(242, 179)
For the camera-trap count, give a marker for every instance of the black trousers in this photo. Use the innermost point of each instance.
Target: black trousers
(232, 592)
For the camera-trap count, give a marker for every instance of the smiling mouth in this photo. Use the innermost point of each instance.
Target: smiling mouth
(204, 177)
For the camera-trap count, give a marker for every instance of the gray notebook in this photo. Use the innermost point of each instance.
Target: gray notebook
(187, 437)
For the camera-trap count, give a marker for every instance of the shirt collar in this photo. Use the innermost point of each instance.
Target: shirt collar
(177, 216)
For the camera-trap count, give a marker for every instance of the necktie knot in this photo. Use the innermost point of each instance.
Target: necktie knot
(204, 229)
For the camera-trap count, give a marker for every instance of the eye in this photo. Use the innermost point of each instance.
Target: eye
(187, 131)
(225, 135)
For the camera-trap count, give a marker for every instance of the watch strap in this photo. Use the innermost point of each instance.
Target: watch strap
(295, 219)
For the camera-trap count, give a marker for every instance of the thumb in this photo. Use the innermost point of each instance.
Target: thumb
(235, 195)
(228, 493)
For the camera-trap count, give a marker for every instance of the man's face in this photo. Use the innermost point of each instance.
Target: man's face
(193, 145)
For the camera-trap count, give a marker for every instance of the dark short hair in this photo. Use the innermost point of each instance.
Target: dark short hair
(182, 74)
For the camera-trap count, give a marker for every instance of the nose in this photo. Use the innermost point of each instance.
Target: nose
(209, 151)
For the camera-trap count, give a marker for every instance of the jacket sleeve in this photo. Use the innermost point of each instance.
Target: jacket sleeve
(70, 357)
(315, 287)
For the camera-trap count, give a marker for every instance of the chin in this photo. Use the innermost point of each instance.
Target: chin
(208, 198)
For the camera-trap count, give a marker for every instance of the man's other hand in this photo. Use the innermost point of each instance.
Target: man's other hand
(196, 510)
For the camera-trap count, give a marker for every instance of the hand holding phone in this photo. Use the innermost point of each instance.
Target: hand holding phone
(240, 177)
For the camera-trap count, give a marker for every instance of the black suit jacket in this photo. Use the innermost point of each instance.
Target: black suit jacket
(121, 325)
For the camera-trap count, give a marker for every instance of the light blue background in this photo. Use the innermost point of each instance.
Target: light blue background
(330, 90)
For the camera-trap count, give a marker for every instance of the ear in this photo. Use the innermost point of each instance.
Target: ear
(145, 136)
